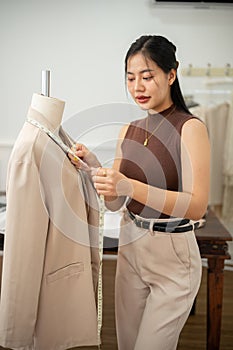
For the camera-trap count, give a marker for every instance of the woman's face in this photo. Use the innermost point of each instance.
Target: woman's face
(147, 83)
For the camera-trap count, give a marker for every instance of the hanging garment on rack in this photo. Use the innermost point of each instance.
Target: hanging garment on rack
(227, 210)
(48, 297)
(216, 119)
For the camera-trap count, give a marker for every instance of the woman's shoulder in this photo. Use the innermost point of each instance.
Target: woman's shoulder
(131, 128)
(184, 116)
(181, 117)
(138, 122)
(193, 128)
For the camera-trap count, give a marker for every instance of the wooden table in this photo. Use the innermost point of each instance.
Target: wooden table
(212, 241)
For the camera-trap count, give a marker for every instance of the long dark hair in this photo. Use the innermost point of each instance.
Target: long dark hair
(163, 52)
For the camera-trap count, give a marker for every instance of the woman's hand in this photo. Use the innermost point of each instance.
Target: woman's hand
(84, 154)
(111, 183)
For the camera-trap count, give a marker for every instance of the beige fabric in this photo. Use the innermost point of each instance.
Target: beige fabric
(92, 207)
(158, 276)
(216, 119)
(48, 297)
(227, 210)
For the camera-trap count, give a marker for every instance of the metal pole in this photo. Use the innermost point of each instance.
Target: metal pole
(45, 83)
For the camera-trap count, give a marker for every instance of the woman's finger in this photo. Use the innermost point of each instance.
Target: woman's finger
(99, 172)
(99, 179)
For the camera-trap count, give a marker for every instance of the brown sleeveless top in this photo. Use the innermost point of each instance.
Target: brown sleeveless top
(158, 164)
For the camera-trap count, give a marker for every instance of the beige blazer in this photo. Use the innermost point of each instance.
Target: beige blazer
(49, 269)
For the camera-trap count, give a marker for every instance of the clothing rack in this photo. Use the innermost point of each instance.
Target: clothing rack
(208, 71)
(211, 91)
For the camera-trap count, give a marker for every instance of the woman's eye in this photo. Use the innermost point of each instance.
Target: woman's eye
(130, 79)
(148, 78)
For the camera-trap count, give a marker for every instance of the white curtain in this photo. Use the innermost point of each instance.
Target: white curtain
(227, 210)
(216, 119)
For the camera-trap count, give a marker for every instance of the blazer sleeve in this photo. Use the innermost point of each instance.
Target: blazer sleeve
(24, 251)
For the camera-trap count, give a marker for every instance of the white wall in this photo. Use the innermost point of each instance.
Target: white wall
(83, 43)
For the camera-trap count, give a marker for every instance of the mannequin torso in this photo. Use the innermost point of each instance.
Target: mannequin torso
(51, 108)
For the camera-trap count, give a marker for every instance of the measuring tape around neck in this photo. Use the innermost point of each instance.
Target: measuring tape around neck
(84, 166)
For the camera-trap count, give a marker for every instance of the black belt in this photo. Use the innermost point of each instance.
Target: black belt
(169, 226)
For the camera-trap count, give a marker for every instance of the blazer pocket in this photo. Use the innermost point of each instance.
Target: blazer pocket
(71, 270)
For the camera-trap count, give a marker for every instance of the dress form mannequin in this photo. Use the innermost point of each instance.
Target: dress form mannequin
(47, 278)
(51, 108)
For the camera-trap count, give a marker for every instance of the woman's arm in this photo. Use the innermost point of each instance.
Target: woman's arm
(192, 201)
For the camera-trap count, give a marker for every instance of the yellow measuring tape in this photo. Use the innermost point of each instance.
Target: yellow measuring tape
(84, 166)
(100, 282)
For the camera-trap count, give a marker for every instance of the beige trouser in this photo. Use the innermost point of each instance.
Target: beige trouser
(158, 276)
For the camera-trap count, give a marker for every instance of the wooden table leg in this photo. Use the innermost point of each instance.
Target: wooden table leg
(214, 302)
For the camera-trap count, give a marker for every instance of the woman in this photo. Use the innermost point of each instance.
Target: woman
(162, 171)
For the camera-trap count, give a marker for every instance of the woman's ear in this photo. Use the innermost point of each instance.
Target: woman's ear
(172, 76)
